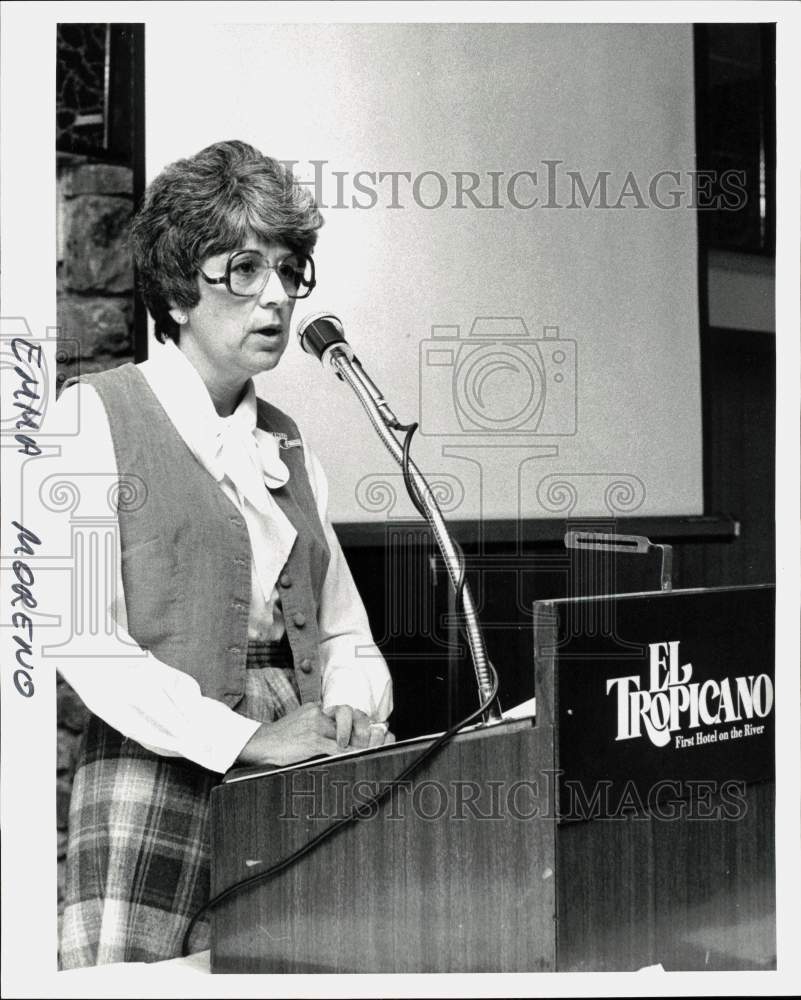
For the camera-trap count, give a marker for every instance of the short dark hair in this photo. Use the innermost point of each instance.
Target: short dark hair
(205, 205)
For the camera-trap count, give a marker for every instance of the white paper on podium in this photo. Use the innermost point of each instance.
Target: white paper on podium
(525, 710)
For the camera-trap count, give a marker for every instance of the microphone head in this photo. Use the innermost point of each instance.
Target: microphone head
(321, 332)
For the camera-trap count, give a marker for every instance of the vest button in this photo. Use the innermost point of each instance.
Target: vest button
(306, 666)
(286, 580)
(299, 619)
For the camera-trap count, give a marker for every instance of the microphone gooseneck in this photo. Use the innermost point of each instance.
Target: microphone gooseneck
(322, 335)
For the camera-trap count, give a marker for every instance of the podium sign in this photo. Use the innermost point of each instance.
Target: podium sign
(671, 707)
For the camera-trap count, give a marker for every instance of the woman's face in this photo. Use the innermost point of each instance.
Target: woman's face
(233, 338)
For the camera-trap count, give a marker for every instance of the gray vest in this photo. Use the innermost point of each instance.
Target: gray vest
(186, 551)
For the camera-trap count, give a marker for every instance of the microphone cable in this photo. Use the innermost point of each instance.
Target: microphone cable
(363, 811)
(414, 496)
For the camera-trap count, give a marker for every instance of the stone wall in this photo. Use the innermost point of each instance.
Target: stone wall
(95, 319)
(95, 271)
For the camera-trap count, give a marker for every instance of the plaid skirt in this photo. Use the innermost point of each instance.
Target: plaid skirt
(138, 858)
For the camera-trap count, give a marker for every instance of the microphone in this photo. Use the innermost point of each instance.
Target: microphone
(322, 336)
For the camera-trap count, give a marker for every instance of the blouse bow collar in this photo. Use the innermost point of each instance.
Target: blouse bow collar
(230, 446)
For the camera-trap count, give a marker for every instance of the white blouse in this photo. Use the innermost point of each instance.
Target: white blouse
(157, 705)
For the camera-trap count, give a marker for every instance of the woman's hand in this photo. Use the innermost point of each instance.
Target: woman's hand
(303, 733)
(311, 732)
(355, 729)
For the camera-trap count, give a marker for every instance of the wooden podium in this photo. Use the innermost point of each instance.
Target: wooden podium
(631, 823)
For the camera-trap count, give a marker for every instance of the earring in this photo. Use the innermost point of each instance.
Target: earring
(180, 318)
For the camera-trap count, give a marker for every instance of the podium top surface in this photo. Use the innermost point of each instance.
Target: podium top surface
(676, 592)
(476, 731)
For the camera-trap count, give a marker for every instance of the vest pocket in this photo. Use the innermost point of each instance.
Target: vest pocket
(151, 586)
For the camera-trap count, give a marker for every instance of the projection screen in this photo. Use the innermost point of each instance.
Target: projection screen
(510, 242)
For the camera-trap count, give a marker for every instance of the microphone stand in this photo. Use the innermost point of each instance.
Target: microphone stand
(385, 422)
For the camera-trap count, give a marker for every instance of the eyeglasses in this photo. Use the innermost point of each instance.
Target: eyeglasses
(247, 273)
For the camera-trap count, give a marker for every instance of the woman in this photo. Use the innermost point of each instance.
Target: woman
(233, 585)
